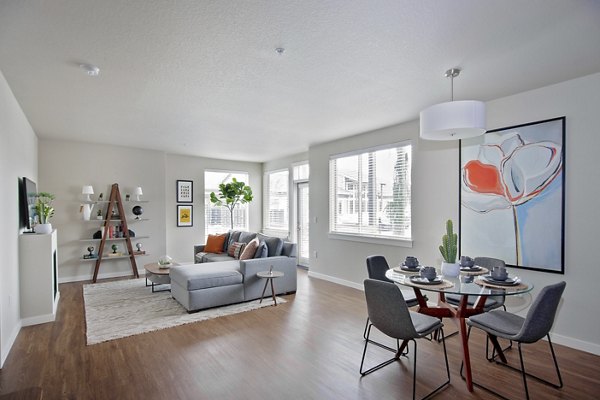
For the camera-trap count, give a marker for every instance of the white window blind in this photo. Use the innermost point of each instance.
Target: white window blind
(370, 192)
(276, 212)
(216, 218)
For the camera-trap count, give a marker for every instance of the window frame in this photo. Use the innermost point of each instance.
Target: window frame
(206, 197)
(393, 240)
(266, 204)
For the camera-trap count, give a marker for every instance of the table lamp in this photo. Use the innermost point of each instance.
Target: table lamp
(87, 190)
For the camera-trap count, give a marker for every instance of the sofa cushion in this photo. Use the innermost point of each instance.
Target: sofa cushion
(250, 250)
(274, 244)
(214, 243)
(246, 237)
(235, 249)
(262, 251)
(202, 276)
(212, 257)
(289, 249)
(234, 236)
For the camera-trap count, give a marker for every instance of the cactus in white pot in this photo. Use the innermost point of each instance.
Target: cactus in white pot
(449, 249)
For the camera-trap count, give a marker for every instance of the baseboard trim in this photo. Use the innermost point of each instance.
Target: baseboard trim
(577, 344)
(333, 279)
(79, 278)
(9, 343)
(38, 319)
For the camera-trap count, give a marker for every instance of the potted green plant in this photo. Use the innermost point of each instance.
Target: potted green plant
(44, 211)
(230, 195)
(448, 249)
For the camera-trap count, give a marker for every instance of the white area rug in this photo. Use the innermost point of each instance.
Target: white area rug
(115, 310)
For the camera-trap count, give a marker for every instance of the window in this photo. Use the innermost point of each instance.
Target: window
(301, 171)
(276, 211)
(218, 219)
(370, 192)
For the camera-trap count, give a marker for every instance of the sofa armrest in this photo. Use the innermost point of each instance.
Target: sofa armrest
(253, 285)
(197, 249)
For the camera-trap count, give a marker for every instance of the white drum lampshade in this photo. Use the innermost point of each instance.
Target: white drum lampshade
(87, 191)
(453, 120)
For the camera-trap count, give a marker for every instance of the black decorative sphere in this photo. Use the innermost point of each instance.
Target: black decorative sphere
(137, 210)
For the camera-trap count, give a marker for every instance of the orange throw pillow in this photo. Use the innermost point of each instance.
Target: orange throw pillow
(214, 243)
(249, 250)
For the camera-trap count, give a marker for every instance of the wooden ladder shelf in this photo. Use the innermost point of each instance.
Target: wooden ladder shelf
(115, 201)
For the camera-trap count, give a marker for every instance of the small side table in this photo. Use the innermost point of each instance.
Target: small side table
(269, 276)
(157, 275)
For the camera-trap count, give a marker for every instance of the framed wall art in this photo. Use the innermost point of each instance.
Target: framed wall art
(185, 215)
(512, 195)
(185, 193)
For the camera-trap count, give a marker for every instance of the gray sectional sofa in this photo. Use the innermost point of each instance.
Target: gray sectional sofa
(218, 279)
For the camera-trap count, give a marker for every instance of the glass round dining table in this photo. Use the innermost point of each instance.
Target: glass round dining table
(472, 287)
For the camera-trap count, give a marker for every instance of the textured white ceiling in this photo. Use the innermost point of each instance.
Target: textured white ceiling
(203, 78)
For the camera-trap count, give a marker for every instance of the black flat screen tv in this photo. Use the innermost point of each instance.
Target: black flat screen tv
(27, 202)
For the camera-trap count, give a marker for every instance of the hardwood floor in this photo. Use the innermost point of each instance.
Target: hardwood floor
(307, 348)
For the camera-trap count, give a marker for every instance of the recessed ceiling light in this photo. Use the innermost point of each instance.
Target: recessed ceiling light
(279, 50)
(90, 69)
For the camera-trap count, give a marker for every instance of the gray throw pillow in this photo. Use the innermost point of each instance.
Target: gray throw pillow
(226, 242)
(262, 251)
(274, 244)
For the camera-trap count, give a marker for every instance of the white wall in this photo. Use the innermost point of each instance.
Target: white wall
(65, 166)
(435, 199)
(18, 158)
(181, 240)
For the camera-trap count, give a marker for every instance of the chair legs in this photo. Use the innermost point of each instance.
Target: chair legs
(524, 374)
(383, 346)
(397, 357)
(378, 366)
(492, 357)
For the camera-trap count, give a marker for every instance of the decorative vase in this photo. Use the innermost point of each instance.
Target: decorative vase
(43, 228)
(87, 211)
(450, 269)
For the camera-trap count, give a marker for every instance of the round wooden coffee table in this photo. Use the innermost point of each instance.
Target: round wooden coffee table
(157, 275)
(269, 276)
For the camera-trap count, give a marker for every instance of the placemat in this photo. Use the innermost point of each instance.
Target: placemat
(444, 285)
(401, 271)
(482, 271)
(481, 282)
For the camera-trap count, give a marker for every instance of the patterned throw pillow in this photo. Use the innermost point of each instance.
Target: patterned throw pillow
(249, 250)
(238, 251)
(235, 249)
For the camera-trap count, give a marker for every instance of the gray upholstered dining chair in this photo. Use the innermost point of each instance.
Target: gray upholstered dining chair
(535, 326)
(389, 313)
(377, 266)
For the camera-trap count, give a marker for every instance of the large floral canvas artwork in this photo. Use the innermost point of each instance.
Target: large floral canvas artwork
(512, 190)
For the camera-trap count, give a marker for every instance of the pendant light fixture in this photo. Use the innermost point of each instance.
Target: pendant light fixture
(453, 120)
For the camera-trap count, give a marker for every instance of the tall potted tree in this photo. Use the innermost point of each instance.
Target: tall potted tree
(230, 195)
